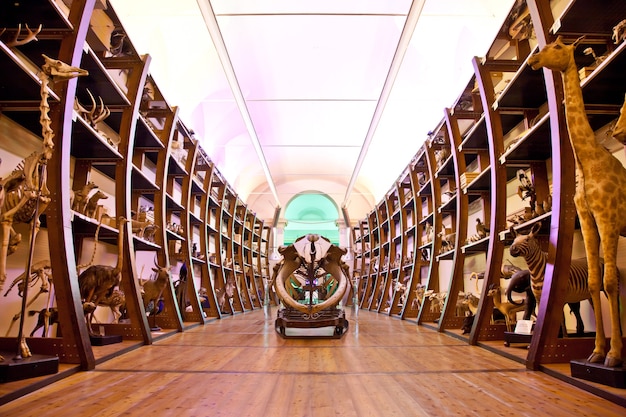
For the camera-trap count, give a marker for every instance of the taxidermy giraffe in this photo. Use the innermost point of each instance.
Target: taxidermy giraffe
(619, 131)
(599, 198)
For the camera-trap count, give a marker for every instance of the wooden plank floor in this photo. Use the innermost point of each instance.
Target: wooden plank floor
(239, 366)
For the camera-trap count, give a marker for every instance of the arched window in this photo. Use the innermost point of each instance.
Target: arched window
(311, 212)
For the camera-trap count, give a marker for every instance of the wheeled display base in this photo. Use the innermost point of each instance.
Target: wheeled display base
(595, 372)
(289, 318)
(37, 365)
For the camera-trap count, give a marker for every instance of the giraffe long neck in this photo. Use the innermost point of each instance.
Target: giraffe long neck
(580, 132)
(46, 129)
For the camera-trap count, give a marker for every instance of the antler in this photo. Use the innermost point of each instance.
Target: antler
(32, 36)
(102, 114)
(95, 115)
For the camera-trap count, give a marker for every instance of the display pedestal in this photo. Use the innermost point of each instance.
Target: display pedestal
(512, 337)
(595, 372)
(98, 340)
(289, 318)
(12, 369)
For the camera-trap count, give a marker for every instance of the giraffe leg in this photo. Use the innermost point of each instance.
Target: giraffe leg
(48, 314)
(46, 322)
(611, 287)
(5, 230)
(594, 280)
(24, 349)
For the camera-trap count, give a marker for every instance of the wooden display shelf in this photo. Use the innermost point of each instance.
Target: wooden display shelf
(145, 130)
(613, 377)
(523, 126)
(563, 372)
(14, 369)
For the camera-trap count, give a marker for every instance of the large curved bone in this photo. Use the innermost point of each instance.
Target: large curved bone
(291, 262)
(331, 263)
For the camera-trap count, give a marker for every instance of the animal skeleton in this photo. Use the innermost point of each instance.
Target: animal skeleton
(321, 255)
(25, 202)
(597, 60)
(39, 272)
(619, 32)
(18, 204)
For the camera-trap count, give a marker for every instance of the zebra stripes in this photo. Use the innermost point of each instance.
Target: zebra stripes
(536, 259)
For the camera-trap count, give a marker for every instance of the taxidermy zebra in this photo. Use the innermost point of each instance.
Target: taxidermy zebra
(528, 247)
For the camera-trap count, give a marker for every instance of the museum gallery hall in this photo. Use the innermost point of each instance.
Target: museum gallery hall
(305, 208)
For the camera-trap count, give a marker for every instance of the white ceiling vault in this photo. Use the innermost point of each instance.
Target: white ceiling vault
(330, 96)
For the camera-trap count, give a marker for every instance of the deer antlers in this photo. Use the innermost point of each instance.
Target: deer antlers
(96, 114)
(31, 36)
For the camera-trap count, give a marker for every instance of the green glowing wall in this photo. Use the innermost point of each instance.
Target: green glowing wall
(311, 213)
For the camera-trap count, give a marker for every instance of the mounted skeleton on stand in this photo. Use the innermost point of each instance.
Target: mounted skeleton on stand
(310, 253)
(40, 272)
(26, 200)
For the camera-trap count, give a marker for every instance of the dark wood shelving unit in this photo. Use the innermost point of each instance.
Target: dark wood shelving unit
(509, 118)
(131, 154)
